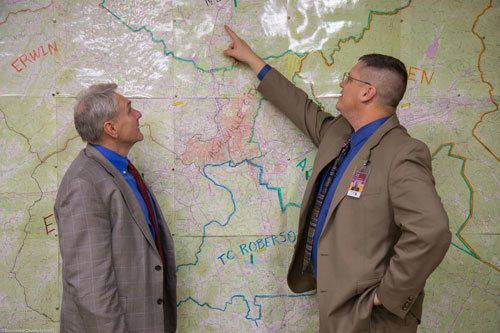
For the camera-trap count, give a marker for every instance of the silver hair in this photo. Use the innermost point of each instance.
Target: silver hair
(94, 106)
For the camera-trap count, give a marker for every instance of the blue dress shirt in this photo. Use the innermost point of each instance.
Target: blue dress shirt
(121, 164)
(357, 141)
(263, 72)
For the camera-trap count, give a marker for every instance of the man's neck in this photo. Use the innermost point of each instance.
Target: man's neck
(122, 151)
(358, 120)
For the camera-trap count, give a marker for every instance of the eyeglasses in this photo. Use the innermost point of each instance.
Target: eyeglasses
(348, 77)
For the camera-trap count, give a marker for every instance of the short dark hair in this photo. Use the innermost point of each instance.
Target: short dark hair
(386, 62)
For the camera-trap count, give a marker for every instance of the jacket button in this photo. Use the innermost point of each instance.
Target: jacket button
(410, 298)
(158, 267)
(159, 301)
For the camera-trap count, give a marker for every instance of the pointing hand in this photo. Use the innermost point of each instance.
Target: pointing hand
(239, 50)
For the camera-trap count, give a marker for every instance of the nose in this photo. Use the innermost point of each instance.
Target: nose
(138, 114)
(341, 84)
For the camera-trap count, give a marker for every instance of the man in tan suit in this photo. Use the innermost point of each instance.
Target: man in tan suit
(368, 251)
(118, 265)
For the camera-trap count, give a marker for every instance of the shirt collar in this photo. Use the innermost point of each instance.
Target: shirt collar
(118, 161)
(362, 134)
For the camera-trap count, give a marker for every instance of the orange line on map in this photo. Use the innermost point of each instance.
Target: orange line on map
(452, 144)
(21, 134)
(158, 142)
(43, 159)
(340, 46)
(25, 10)
(482, 80)
(444, 144)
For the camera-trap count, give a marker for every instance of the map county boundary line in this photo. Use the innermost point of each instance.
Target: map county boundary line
(25, 11)
(344, 40)
(482, 80)
(469, 250)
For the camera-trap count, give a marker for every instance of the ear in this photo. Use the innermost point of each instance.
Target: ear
(368, 93)
(110, 129)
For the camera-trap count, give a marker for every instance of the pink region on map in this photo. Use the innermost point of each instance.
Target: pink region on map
(278, 167)
(235, 125)
(205, 152)
(431, 51)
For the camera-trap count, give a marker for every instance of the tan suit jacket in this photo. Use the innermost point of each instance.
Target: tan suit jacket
(389, 240)
(113, 277)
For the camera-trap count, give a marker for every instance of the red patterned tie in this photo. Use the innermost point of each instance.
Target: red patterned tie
(151, 212)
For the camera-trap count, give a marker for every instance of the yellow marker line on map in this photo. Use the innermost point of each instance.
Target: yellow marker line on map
(407, 104)
(177, 103)
(262, 249)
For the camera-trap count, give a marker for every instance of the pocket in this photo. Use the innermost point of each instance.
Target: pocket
(362, 285)
(414, 317)
(123, 302)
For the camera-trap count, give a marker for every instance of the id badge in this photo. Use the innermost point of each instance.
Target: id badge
(358, 181)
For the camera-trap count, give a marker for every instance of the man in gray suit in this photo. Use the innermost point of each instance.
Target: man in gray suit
(368, 251)
(118, 265)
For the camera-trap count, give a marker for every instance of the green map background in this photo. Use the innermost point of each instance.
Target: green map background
(227, 167)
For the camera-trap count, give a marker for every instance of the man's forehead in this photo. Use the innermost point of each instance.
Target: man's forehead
(356, 68)
(121, 99)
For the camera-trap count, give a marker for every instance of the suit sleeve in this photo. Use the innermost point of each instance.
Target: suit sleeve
(85, 241)
(296, 105)
(425, 235)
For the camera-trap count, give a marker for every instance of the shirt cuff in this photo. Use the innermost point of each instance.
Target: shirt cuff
(263, 72)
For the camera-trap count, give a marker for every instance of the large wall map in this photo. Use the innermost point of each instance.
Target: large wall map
(228, 168)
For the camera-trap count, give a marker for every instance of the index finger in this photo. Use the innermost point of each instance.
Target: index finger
(230, 32)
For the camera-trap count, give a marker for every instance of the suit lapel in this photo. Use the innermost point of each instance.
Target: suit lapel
(335, 143)
(128, 195)
(160, 219)
(323, 158)
(362, 157)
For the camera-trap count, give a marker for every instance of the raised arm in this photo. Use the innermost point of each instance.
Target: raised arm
(239, 50)
(282, 93)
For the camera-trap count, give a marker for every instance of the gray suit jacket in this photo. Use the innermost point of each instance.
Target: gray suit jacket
(389, 240)
(113, 277)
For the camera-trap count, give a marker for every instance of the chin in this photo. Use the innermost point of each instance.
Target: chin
(337, 106)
